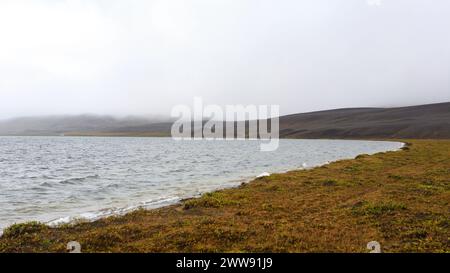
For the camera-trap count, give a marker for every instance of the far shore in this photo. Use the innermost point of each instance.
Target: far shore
(399, 199)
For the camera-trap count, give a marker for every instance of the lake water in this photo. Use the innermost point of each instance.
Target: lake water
(58, 179)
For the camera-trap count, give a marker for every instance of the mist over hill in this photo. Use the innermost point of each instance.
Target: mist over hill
(57, 125)
(422, 121)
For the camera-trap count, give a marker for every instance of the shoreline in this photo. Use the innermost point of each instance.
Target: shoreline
(218, 206)
(151, 204)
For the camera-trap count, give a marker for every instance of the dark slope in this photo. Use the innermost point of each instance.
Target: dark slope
(424, 121)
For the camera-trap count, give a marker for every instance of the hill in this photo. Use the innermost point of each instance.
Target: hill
(424, 121)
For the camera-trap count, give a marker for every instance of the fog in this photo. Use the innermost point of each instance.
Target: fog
(144, 57)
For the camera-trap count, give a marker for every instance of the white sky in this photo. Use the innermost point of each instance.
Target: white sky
(144, 57)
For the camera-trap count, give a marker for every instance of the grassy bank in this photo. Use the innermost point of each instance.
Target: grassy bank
(400, 199)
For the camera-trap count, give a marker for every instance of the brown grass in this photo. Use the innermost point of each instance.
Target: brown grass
(401, 199)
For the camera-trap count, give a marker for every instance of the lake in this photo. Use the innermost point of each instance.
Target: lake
(58, 179)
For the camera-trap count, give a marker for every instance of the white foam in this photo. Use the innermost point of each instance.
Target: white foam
(107, 212)
(264, 174)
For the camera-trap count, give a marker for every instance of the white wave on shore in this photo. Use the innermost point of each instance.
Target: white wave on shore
(96, 215)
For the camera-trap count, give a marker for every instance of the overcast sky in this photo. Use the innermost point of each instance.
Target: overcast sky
(145, 56)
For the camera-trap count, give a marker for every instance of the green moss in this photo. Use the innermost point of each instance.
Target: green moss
(396, 177)
(102, 240)
(329, 182)
(18, 230)
(210, 200)
(377, 209)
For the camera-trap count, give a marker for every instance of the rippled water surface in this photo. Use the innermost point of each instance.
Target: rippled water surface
(58, 178)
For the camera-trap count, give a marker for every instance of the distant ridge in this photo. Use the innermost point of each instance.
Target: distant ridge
(422, 121)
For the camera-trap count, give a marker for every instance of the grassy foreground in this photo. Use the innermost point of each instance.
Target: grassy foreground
(400, 199)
